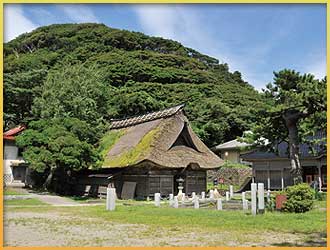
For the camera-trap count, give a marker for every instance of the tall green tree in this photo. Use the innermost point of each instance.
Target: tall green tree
(292, 104)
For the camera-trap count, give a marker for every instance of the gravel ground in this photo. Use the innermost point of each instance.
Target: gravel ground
(52, 228)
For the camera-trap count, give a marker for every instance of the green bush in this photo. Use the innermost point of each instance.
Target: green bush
(299, 198)
(320, 196)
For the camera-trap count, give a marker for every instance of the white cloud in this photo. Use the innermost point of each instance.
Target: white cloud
(184, 25)
(15, 23)
(318, 69)
(78, 13)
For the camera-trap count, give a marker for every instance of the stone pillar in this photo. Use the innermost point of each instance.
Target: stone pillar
(157, 199)
(261, 198)
(243, 196)
(203, 196)
(245, 205)
(231, 191)
(171, 201)
(176, 202)
(211, 194)
(196, 202)
(254, 198)
(193, 195)
(268, 176)
(111, 199)
(219, 204)
(227, 196)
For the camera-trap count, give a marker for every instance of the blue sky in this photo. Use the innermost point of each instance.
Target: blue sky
(254, 39)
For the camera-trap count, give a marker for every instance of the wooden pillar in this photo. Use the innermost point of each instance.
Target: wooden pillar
(320, 179)
(282, 178)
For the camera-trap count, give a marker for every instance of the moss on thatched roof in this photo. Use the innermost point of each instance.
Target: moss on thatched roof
(167, 142)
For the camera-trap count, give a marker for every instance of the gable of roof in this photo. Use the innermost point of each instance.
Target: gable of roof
(153, 140)
(282, 149)
(233, 144)
(11, 133)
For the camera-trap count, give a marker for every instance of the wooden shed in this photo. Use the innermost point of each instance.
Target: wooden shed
(154, 150)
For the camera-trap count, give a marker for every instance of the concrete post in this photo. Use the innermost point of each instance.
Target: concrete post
(243, 196)
(193, 195)
(171, 201)
(254, 198)
(203, 196)
(111, 199)
(157, 199)
(219, 204)
(196, 202)
(245, 205)
(320, 174)
(211, 194)
(176, 202)
(183, 196)
(227, 196)
(231, 191)
(261, 198)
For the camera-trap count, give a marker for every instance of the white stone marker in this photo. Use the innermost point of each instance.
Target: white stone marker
(245, 205)
(193, 196)
(111, 199)
(254, 198)
(243, 196)
(211, 194)
(227, 196)
(157, 199)
(219, 204)
(203, 196)
(176, 202)
(261, 198)
(196, 202)
(171, 201)
(183, 197)
(231, 191)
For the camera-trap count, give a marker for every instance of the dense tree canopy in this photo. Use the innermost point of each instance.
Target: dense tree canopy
(141, 73)
(295, 107)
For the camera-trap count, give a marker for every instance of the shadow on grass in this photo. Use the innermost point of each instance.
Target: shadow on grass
(314, 240)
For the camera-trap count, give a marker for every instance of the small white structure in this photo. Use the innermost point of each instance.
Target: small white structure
(157, 199)
(245, 205)
(13, 163)
(176, 202)
(196, 202)
(243, 196)
(261, 198)
(231, 191)
(219, 204)
(227, 196)
(111, 199)
(212, 194)
(203, 196)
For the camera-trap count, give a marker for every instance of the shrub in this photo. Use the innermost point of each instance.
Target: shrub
(299, 198)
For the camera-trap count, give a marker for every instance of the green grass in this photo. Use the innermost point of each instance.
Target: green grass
(13, 191)
(24, 202)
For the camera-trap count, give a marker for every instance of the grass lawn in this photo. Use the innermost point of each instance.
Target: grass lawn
(13, 191)
(24, 202)
(193, 226)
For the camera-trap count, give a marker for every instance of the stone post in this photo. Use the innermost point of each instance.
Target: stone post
(231, 191)
(171, 201)
(243, 196)
(203, 196)
(227, 196)
(219, 204)
(211, 194)
(111, 199)
(196, 202)
(261, 198)
(176, 202)
(245, 205)
(254, 198)
(157, 199)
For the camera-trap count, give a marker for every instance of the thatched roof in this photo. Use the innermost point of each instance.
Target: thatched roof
(163, 138)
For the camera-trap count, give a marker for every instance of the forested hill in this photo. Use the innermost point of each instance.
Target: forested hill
(95, 73)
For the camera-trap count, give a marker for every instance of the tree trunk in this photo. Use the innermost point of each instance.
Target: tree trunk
(291, 122)
(48, 182)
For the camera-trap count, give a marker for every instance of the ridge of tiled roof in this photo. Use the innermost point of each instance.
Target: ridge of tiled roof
(10, 134)
(134, 120)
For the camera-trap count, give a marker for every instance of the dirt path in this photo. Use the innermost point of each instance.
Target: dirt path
(54, 200)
